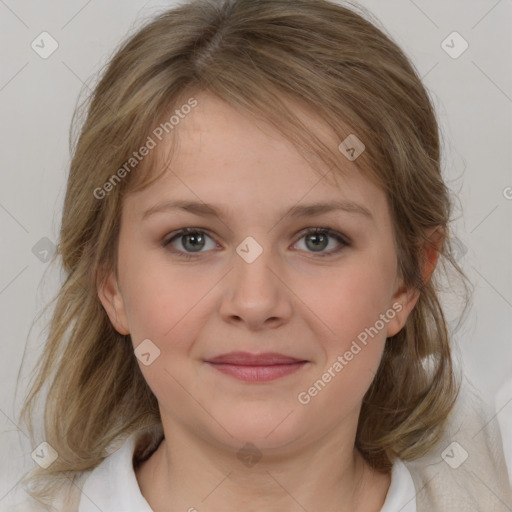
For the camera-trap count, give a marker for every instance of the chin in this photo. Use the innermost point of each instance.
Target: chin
(265, 431)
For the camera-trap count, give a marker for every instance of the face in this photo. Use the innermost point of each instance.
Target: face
(255, 278)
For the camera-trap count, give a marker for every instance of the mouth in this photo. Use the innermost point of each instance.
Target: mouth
(256, 367)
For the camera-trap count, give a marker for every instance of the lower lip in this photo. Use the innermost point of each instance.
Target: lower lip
(258, 373)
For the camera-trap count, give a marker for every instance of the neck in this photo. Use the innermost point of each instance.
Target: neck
(186, 473)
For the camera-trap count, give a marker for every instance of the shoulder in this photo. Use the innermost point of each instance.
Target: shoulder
(466, 469)
(110, 485)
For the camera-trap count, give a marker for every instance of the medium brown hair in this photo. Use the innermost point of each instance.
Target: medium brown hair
(262, 57)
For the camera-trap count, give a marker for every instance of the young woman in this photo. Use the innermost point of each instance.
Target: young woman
(251, 235)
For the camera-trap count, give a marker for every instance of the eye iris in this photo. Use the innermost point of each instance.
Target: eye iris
(195, 238)
(316, 244)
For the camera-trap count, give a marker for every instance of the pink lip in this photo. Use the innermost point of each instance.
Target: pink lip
(256, 367)
(246, 358)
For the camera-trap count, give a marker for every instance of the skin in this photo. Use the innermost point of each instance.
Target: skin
(289, 300)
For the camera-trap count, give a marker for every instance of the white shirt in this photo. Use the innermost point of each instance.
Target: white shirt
(112, 486)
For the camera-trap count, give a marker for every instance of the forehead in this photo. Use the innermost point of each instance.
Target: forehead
(219, 154)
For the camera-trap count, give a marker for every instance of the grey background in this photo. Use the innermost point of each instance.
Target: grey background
(472, 95)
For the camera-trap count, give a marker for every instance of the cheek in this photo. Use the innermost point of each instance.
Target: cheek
(355, 306)
(353, 346)
(351, 298)
(167, 308)
(162, 300)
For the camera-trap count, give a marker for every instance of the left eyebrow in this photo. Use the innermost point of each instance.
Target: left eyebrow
(309, 210)
(320, 208)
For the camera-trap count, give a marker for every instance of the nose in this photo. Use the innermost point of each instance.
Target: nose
(256, 293)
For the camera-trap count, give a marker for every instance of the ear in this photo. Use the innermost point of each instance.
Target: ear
(113, 302)
(405, 297)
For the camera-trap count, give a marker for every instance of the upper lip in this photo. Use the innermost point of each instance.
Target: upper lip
(248, 359)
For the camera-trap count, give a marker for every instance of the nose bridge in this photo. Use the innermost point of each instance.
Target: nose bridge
(253, 265)
(255, 292)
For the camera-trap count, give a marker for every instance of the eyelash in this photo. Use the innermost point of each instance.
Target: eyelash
(320, 230)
